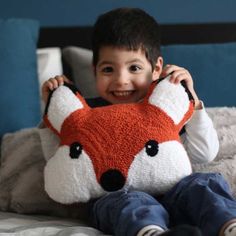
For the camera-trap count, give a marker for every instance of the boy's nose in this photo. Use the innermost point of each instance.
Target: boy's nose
(122, 79)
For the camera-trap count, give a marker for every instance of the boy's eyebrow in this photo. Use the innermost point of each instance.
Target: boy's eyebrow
(134, 60)
(127, 62)
(104, 63)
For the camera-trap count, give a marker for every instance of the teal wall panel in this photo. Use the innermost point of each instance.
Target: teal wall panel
(85, 12)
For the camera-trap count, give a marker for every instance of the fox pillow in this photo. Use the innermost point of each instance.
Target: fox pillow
(107, 148)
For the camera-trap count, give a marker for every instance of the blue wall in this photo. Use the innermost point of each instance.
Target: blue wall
(85, 12)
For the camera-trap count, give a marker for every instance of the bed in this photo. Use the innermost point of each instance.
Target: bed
(207, 50)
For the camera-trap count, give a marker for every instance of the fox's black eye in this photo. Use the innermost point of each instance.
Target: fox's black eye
(152, 148)
(75, 150)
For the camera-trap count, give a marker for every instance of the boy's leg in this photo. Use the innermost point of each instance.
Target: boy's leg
(125, 213)
(203, 200)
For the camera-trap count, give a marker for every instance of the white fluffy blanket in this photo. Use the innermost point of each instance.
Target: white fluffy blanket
(224, 120)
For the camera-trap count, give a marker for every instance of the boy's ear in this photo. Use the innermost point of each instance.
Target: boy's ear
(157, 69)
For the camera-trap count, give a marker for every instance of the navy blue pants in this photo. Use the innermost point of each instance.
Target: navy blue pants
(202, 200)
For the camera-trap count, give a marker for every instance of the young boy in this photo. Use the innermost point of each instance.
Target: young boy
(126, 60)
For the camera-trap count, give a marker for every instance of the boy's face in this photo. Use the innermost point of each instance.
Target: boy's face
(124, 76)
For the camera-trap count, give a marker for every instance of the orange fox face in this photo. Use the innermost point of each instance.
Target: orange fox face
(126, 145)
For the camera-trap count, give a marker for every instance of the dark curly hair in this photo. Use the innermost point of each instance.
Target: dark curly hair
(130, 28)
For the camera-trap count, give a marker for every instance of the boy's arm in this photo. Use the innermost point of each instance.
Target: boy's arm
(200, 139)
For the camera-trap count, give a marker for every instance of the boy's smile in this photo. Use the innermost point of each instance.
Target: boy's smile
(124, 76)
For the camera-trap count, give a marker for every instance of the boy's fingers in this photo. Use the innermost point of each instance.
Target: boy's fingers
(66, 79)
(176, 73)
(171, 70)
(59, 79)
(177, 79)
(48, 85)
(54, 83)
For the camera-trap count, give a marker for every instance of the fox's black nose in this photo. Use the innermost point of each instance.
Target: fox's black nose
(112, 180)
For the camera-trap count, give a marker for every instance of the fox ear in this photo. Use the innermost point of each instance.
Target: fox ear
(174, 99)
(61, 103)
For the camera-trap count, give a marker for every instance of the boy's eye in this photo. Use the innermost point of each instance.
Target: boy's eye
(135, 68)
(107, 69)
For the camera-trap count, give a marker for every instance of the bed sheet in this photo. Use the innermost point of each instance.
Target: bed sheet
(33, 225)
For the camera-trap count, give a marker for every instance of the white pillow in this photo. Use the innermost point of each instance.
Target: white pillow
(80, 62)
(49, 65)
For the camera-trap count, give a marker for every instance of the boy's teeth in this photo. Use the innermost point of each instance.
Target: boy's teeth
(122, 93)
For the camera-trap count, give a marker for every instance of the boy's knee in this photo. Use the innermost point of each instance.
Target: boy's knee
(199, 182)
(209, 179)
(203, 179)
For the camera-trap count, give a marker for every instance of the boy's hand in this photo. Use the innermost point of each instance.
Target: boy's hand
(181, 74)
(52, 84)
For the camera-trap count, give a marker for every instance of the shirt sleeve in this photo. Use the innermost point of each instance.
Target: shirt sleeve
(200, 139)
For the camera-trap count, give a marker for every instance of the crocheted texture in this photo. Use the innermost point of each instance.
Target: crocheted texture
(107, 148)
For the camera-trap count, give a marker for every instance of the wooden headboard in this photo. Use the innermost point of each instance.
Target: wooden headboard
(170, 34)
